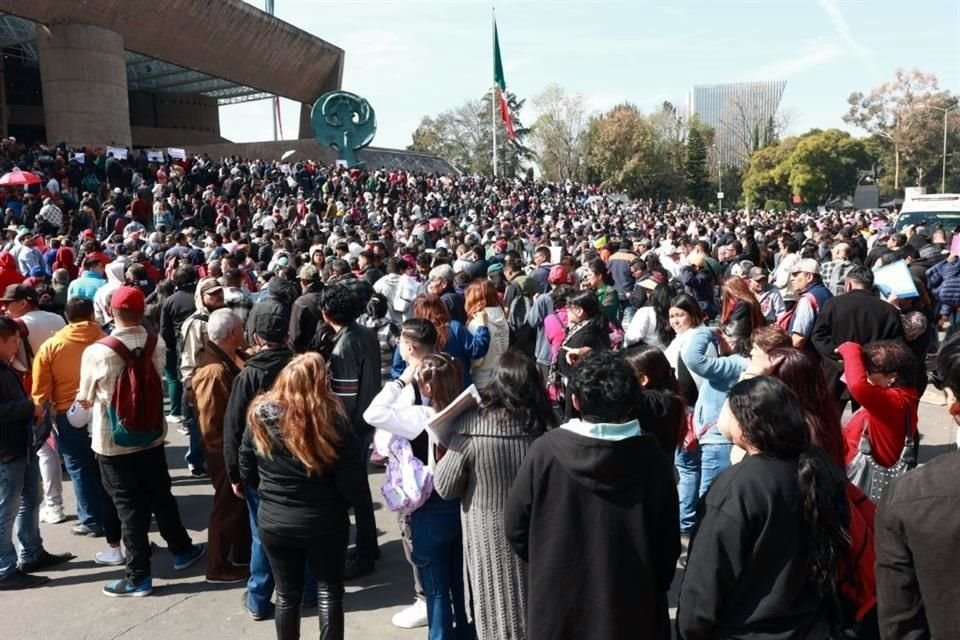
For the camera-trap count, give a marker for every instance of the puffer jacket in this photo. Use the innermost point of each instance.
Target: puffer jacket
(944, 280)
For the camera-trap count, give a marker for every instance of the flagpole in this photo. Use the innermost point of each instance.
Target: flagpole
(493, 93)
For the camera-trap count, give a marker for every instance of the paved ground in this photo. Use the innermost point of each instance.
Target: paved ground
(183, 605)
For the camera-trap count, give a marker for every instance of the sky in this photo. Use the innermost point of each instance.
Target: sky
(411, 59)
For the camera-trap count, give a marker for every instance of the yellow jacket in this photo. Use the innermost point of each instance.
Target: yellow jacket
(56, 365)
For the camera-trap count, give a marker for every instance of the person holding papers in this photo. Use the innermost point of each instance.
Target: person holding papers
(429, 383)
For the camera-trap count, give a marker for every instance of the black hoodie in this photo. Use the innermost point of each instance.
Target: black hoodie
(597, 521)
(258, 375)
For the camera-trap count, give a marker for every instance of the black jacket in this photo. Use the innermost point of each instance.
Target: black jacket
(857, 316)
(257, 375)
(597, 521)
(748, 575)
(280, 293)
(917, 528)
(173, 312)
(295, 503)
(16, 407)
(304, 318)
(355, 372)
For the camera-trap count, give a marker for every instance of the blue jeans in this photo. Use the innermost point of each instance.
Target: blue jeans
(260, 584)
(697, 470)
(194, 456)
(174, 386)
(20, 500)
(75, 446)
(438, 556)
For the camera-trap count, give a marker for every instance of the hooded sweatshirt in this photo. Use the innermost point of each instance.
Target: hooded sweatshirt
(193, 335)
(596, 503)
(56, 365)
(8, 271)
(257, 375)
(101, 299)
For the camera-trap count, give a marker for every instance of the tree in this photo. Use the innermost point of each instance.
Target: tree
(817, 166)
(901, 113)
(463, 136)
(825, 165)
(748, 130)
(622, 152)
(558, 132)
(695, 169)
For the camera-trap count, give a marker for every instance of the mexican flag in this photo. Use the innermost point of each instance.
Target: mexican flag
(501, 84)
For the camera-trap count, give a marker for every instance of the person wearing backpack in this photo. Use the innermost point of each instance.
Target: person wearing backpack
(120, 381)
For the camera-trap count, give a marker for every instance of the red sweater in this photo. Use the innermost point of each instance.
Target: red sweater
(887, 410)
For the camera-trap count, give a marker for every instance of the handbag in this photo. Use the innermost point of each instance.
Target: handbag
(871, 477)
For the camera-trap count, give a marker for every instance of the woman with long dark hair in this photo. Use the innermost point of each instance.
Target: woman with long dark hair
(487, 447)
(599, 280)
(587, 330)
(651, 323)
(763, 561)
(660, 408)
(301, 453)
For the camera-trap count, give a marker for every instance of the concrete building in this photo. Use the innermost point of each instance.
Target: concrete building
(141, 73)
(740, 113)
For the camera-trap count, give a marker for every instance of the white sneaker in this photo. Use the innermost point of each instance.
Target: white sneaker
(412, 617)
(52, 515)
(113, 556)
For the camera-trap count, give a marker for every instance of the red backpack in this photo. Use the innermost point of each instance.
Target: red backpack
(136, 405)
(785, 319)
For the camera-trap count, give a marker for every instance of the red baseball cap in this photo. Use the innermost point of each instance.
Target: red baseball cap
(128, 299)
(558, 275)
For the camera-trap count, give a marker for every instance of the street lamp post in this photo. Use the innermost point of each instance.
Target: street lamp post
(943, 174)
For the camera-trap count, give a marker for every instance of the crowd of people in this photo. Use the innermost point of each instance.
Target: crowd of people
(572, 395)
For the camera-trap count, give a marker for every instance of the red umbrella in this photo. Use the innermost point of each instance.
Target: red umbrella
(18, 178)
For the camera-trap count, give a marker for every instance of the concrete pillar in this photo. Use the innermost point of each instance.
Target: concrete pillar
(83, 72)
(306, 129)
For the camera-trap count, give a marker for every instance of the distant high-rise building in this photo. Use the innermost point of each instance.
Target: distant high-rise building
(742, 115)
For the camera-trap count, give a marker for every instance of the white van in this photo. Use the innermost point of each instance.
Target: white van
(929, 210)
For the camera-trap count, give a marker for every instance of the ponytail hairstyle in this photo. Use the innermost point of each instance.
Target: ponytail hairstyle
(432, 308)
(772, 420)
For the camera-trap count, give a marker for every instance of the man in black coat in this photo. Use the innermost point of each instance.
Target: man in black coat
(354, 364)
(258, 374)
(595, 503)
(917, 529)
(173, 313)
(305, 314)
(860, 316)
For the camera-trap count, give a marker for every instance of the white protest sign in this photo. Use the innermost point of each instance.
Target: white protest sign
(155, 156)
(120, 153)
(179, 154)
(79, 158)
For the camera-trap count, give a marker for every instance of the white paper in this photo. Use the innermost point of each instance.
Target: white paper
(120, 153)
(556, 254)
(79, 158)
(155, 156)
(895, 279)
(179, 154)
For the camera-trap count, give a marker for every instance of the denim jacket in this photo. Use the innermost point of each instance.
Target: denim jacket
(719, 373)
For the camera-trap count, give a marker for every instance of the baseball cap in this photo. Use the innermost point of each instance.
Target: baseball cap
(807, 265)
(210, 285)
(757, 273)
(307, 272)
(127, 299)
(558, 275)
(16, 292)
